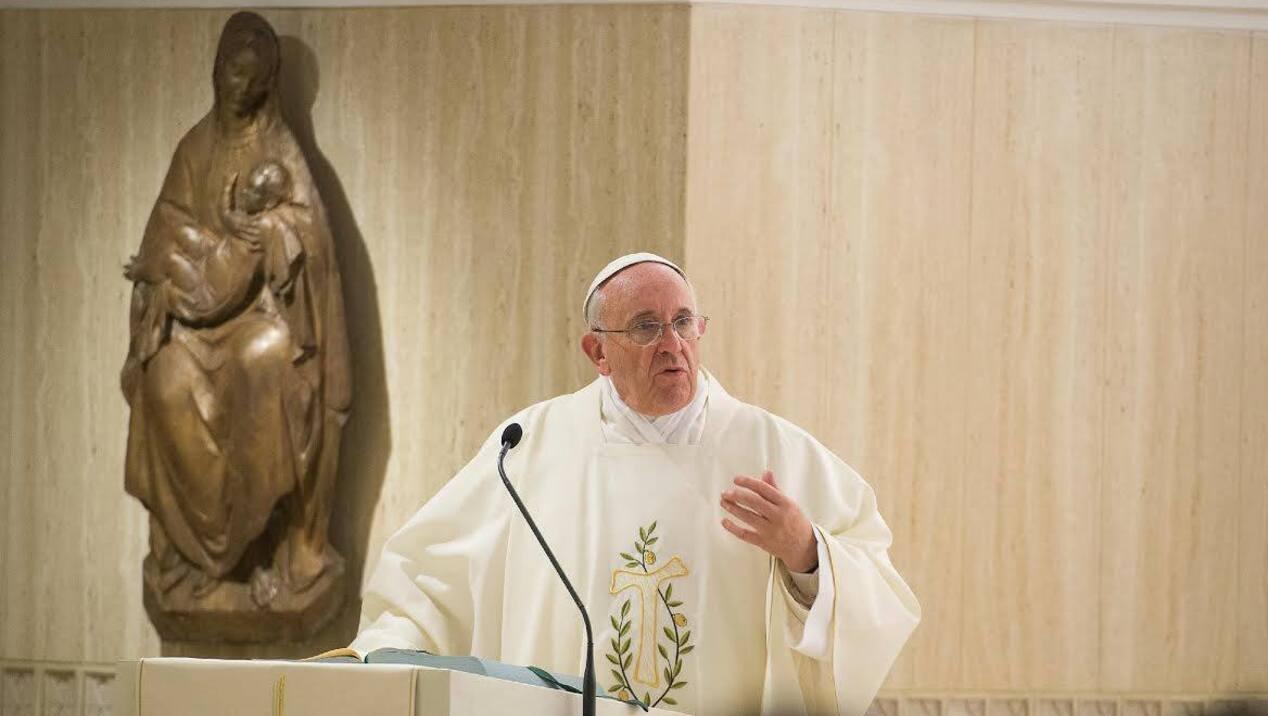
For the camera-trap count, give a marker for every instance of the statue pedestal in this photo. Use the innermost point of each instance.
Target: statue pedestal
(228, 613)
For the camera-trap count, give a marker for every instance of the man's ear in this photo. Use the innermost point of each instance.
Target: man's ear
(593, 348)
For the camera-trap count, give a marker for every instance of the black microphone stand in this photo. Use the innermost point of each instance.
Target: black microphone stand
(587, 683)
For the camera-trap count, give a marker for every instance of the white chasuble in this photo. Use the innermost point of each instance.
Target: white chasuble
(685, 616)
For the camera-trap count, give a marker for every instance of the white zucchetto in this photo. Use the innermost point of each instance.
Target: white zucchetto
(621, 264)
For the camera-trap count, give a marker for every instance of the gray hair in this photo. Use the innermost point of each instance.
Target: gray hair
(595, 307)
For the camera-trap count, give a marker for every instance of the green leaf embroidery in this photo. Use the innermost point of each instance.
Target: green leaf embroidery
(642, 558)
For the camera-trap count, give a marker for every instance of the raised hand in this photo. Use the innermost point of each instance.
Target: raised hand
(771, 520)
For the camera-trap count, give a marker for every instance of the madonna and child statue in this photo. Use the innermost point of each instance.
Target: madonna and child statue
(237, 374)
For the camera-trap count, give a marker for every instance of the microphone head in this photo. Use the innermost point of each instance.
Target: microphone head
(511, 435)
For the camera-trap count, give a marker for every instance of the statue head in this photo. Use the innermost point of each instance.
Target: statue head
(247, 61)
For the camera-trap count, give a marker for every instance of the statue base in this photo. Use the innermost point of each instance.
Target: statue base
(227, 612)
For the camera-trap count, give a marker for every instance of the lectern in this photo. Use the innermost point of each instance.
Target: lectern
(215, 687)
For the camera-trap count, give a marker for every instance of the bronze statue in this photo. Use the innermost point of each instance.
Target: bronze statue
(237, 371)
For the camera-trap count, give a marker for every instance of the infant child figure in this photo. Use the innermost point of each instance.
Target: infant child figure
(265, 196)
(215, 276)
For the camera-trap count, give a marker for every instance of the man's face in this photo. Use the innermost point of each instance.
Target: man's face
(656, 379)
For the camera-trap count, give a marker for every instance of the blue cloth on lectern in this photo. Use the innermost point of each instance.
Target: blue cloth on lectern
(530, 675)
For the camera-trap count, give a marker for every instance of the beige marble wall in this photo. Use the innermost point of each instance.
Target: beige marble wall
(479, 164)
(1252, 498)
(1014, 273)
(1036, 288)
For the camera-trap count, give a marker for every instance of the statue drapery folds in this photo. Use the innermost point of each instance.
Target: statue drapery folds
(237, 372)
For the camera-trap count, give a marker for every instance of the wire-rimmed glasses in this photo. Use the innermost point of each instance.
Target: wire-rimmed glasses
(647, 332)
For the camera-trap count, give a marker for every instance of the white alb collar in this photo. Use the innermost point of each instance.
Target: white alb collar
(621, 423)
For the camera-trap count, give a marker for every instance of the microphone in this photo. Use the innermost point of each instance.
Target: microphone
(510, 438)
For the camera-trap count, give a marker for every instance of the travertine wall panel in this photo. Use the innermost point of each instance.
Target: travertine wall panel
(1174, 360)
(833, 193)
(903, 89)
(1036, 283)
(1252, 568)
(68, 182)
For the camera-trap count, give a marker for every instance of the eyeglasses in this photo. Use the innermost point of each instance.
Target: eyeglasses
(645, 333)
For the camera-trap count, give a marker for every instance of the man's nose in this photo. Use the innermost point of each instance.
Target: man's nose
(670, 341)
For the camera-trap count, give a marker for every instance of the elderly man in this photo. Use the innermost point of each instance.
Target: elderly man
(731, 563)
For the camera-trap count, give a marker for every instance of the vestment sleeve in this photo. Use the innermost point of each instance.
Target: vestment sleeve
(809, 617)
(443, 570)
(838, 662)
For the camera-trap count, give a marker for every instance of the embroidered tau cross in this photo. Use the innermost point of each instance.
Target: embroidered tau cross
(648, 587)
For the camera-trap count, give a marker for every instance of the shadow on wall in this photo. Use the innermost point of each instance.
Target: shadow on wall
(367, 439)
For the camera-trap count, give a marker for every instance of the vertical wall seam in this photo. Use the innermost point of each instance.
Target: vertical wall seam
(1109, 178)
(37, 687)
(825, 296)
(1241, 369)
(36, 373)
(968, 344)
(688, 35)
